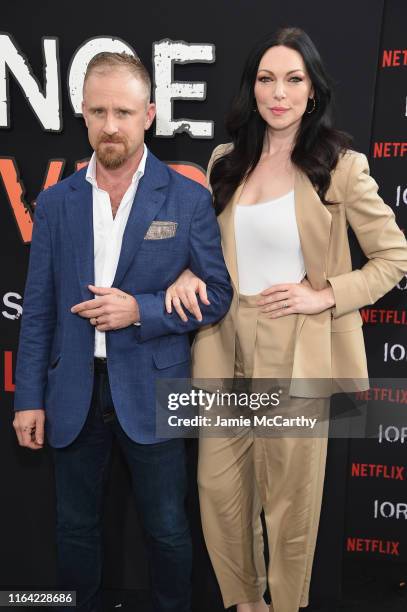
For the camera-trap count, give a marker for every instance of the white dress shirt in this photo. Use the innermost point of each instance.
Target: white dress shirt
(108, 233)
(268, 248)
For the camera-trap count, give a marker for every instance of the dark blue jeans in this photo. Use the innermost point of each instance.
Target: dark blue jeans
(159, 481)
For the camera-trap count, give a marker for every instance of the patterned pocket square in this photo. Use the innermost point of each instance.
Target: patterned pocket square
(161, 229)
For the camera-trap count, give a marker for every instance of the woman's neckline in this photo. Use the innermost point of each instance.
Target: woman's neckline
(273, 201)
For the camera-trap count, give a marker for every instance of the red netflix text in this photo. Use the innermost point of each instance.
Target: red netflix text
(378, 470)
(389, 149)
(384, 547)
(394, 57)
(383, 316)
(384, 394)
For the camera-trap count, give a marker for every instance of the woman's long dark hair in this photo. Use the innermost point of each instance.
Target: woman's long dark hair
(318, 145)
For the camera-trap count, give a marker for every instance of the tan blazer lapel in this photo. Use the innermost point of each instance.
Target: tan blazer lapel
(227, 225)
(314, 228)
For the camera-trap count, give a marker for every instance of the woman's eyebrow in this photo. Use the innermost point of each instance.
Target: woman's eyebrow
(289, 72)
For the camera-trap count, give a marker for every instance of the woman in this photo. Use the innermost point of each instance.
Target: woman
(285, 190)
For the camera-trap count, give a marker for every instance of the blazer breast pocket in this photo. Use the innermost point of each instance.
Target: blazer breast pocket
(160, 230)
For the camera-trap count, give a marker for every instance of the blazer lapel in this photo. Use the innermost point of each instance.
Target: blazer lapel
(79, 214)
(150, 196)
(227, 224)
(314, 228)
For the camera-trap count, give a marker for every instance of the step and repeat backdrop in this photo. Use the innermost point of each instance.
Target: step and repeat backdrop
(377, 470)
(195, 53)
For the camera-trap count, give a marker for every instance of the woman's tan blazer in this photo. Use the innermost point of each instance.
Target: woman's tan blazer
(329, 345)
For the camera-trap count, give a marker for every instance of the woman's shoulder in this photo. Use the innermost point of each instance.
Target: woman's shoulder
(218, 152)
(350, 164)
(221, 150)
(224, 148)
(351, 160)
(351, 172)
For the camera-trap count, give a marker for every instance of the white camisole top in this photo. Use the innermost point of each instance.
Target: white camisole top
(268, 248)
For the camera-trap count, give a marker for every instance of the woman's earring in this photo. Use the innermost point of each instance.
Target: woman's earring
(254, 109)
(313, 108)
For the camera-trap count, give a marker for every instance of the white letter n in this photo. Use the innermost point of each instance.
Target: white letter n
(46, 106)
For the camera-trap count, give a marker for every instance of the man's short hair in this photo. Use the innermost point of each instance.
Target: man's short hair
(107, 60)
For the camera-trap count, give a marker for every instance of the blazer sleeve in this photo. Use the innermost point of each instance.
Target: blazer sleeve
(39, 317)
(380, 238)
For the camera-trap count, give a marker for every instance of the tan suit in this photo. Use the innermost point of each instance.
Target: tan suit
(334, 338)
(238, 476)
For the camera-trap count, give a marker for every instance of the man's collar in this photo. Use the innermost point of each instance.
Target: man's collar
(91, 169)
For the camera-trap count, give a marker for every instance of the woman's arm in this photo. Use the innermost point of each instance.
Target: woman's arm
(380, 238)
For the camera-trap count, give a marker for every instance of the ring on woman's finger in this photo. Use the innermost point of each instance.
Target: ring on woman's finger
(285, 305)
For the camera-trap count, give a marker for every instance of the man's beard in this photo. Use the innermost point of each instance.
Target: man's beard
(111, 157)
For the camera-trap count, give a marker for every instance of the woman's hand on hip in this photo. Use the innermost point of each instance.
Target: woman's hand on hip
(183, 292)
(295, 298)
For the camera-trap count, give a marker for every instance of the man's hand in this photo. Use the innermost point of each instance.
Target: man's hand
(29, 428)
(112, 309)
(183, 291)
(290, 298)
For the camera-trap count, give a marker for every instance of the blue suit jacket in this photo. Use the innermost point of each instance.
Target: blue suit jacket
(55, 356)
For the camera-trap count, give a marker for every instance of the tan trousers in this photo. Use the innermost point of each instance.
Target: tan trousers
(238, 476)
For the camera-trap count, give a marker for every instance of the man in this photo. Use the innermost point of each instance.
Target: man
(119, 231)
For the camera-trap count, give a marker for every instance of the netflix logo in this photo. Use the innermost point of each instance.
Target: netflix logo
(383, 316)
(374, 470)
(365, 545)
(389, 149)
(393, 58)
(383, 394)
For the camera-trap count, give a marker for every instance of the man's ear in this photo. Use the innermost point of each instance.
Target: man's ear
(150, 114)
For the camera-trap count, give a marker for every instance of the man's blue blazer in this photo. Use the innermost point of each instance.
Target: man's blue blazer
(55, 367)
